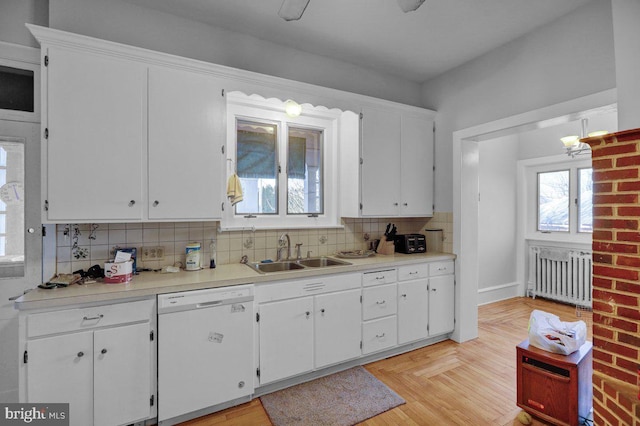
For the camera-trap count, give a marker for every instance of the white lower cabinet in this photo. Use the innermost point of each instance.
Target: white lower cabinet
(413, 310)
(316, 325)
(379, 334)
(379, 308)
(337, 327)
(425, 301)
(98, 359)
(441, 302)
(286, 338)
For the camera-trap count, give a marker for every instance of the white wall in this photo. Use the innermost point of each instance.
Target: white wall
(14, 14)
(497, 212)
(566, 59)
(118, 21)
(626, 19)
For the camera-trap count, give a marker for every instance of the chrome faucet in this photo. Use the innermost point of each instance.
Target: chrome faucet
(299, 251)
(283, 245)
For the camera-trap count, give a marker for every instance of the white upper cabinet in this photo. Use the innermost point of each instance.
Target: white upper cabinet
(131, 134)
(416, 166)
(186, 133)
(127, 138)
(380, 162)
(396, 164)
(94, 134)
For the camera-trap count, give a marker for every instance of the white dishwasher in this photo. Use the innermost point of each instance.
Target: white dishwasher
(205, 350)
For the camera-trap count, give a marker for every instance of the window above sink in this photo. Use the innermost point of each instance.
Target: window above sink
(287, 166)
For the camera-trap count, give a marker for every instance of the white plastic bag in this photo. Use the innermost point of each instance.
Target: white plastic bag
(547, 332)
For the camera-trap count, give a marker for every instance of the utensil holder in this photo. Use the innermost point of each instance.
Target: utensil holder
(386, 247)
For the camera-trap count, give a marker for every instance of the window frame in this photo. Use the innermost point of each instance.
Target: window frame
(256, 108)
(530, 195)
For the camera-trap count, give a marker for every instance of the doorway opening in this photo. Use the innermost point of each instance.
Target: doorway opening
(467, 171)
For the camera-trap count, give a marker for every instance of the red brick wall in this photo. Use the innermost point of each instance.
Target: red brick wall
(616, 277)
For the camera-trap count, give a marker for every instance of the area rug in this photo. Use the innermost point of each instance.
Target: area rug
(341, 399)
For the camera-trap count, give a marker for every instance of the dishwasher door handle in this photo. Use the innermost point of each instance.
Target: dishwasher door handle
(208, 304)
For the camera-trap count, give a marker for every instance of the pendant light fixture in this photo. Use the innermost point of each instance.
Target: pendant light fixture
(572, 142)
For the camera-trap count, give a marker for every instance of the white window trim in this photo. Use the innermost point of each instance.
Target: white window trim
(241, 106)
(528, 197)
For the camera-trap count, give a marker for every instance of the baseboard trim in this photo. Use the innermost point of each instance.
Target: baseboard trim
(499, 292)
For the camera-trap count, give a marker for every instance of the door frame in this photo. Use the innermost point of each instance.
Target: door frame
(466, 194)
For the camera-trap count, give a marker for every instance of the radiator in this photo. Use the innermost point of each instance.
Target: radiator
(562, 274)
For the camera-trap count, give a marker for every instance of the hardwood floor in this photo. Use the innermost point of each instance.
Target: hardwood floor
(473, 383)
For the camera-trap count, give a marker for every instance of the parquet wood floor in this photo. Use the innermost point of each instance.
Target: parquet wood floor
(473, 383)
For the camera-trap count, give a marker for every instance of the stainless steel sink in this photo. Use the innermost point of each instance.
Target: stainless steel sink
(275, 266)
(321, 262)
(292, 265)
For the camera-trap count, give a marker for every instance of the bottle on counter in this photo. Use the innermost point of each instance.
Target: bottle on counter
(212, 254)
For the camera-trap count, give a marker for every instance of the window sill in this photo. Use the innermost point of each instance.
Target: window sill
(582, 240)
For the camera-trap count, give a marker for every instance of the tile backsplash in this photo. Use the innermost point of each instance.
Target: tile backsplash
(84, 245)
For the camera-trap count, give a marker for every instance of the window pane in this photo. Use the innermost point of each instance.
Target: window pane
(553, 201)
(11, 208)
(16, 90)
(304, 172)
(585, 200)
(257, 166)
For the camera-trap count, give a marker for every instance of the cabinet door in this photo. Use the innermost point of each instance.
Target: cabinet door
(380, 170)
(337, 327)
(60, 369)
(186, 132)
(121, 374)
(96, 135)
(441, 304)
(286, 338)
(416, 190)
(413, 310)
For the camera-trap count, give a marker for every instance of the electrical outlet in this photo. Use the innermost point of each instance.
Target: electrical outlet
(152, 253)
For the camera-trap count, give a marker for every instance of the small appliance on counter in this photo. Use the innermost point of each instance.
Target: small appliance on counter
(411, 243)
(435, 237)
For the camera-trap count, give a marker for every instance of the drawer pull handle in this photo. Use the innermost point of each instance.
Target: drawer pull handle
(80, 354)
(404, 295)
(131, 203)
(97, 317)
(413, 273)
(155, 203)
(379, 336)
(381, 303)
(380, 277)
(104, 351)
(307, 314)
(322, 311)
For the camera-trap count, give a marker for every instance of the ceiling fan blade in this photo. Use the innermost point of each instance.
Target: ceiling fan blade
(292, 10)
(409, 5)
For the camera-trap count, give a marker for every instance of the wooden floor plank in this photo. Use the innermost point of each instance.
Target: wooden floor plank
(446, 383)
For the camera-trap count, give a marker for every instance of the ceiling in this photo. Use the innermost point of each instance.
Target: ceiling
(376, 34)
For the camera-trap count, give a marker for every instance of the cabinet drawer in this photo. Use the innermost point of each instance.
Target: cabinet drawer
(379, 334)
(441, 268)
(379, 301)
(87, 318)
(413, 272)
(281, 290)
(379, 277)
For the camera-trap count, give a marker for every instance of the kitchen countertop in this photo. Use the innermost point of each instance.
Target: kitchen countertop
(152, 283)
